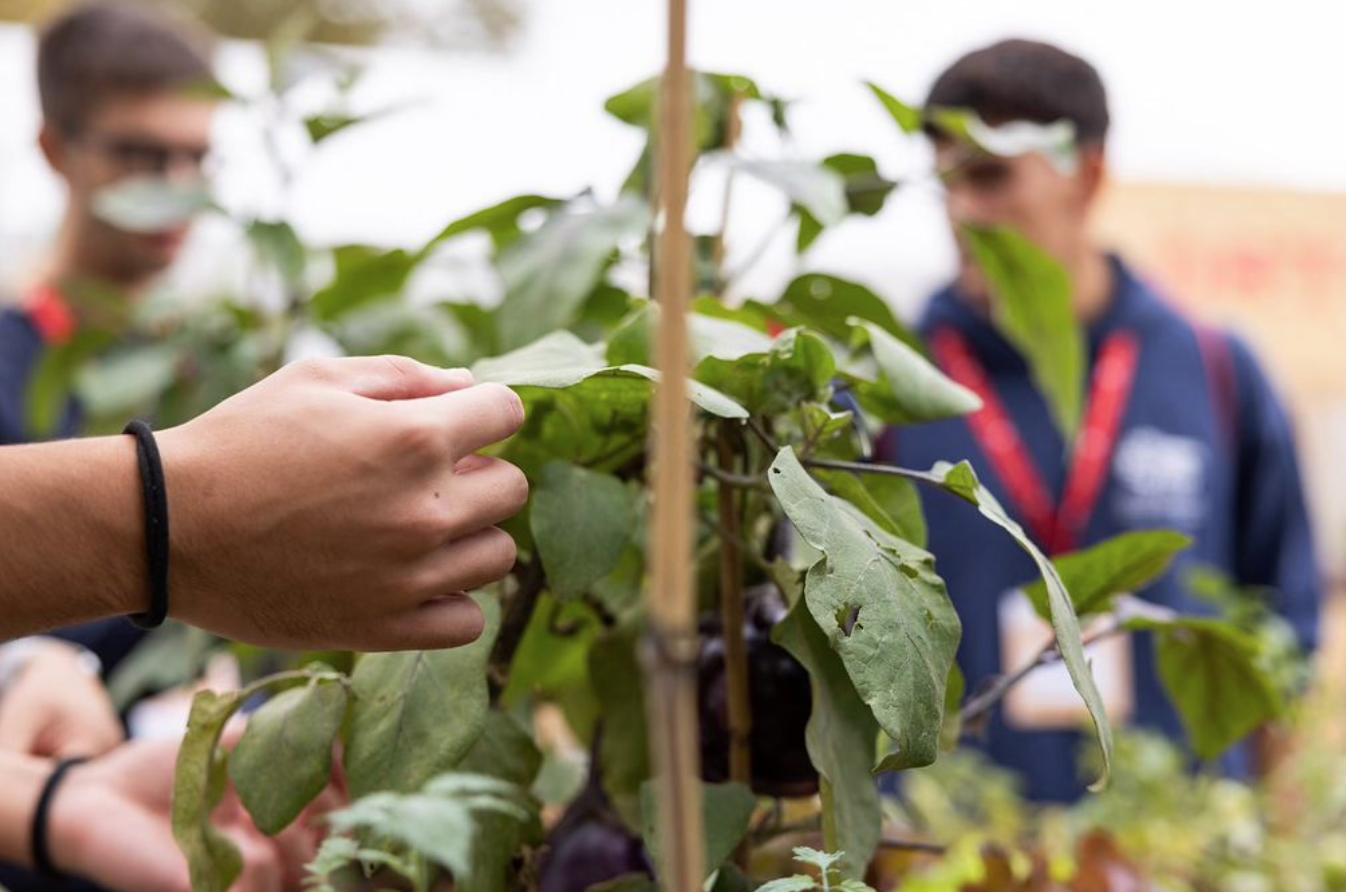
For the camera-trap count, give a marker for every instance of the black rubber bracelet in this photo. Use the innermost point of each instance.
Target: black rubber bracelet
(41, 854)
(156, 523)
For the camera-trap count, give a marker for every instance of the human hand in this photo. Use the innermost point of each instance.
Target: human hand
(56, 707)
(339, 503)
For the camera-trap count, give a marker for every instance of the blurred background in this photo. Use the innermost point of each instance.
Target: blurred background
(1229, 184)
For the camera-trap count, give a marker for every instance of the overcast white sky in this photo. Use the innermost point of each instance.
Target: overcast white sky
(1202, 91)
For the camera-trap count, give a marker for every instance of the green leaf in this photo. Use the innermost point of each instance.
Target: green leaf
(548, 661)
(500, 221)
(827, 304)
(284, 759)
(1210, 670)
(952, 731)
(549, 273)
(798, 367)
(1124, 564)
(128, 382)
(53, 381)
(962, 481)
(882, 608)
(911, 390)
(726, 812)
(715, 94)
(560, 360)
(151, 204)
(441, 821)
(618, 682)
(581, 521)
(824, 861)
(907, 118)
(279, 246)
(212, 858)
(796, 883)
(814, 187)
(505, 750)
(890, 502)
(708, 336)
(866, 192)
(363, 275)
(417, 714)
(1035, 312)
(840, 737)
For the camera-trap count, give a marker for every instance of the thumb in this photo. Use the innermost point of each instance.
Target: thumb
(386, 377)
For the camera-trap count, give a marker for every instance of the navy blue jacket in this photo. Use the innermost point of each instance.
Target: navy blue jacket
(21, 350)
(1182, 462)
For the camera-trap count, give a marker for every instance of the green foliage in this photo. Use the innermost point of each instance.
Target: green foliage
(841, 739)
(1034, 310)
(284, 759)
(827, 879)
(726, 811)
(1124, 564)
(417, 714)
(580, 520)
(198, 788)
(908, 389)
(908, 119)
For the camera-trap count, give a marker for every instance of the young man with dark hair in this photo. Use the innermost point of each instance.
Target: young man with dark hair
(1187, 433)
(124, 94)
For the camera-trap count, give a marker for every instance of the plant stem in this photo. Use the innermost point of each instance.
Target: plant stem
(531, 581)
(732, 619)
(979, 705)
(729, 479)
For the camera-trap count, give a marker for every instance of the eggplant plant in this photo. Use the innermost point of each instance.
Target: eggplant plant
(828, 648)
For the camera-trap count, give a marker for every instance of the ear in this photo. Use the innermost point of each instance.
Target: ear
(1093, 172)
(55, 145)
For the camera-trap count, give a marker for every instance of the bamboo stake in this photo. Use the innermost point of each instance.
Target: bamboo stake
(672, 656)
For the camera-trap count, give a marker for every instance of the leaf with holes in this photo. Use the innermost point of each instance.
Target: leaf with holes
(882, 608)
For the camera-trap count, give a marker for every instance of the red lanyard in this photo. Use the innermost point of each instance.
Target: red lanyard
(50, 314)
(1057, 528)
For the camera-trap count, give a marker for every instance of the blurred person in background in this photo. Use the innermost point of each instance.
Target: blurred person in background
(126, 97)
(1186, 433)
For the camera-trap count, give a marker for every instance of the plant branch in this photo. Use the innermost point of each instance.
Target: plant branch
(728, 478)
(981, 704)
(532, 580)
(761, 433)
(732, 620)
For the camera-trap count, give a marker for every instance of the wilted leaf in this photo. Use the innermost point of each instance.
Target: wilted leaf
(199, 784)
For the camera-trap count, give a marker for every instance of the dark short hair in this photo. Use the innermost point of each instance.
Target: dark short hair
(103, 50)
(1025, 80)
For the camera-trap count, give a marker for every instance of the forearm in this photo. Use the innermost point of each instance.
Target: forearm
(21, 780)
(71, 534)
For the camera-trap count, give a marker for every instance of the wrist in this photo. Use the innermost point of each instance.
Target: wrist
(21, 779)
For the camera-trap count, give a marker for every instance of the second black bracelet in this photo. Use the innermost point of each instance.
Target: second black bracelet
(156, 523)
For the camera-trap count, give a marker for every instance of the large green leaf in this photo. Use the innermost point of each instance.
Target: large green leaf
(881, 607)
(708, 336)
(816, 188)
(890, 502)
(581, 521)
(417, 714)
(199, 784)
(726, 810)
(1124, 564)
(962, 481)
(1210, 670)
(128, 382)
(150, 204)
(910, 389)
(908, 119)
(284, 759)
(841, 738)
(797, 368)
(1034, 309)
(500, 221)
(828, 304)
(363, 275)
(278, 245)
(440, 821)
(560, 360)
(618, 681)
(865, 189)
(505, 750)
(549, 273)
(554, 652)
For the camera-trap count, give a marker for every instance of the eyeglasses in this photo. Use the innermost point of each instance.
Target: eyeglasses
(140, 155)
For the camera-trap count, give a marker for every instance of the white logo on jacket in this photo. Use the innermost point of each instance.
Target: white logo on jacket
(1161, 478)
